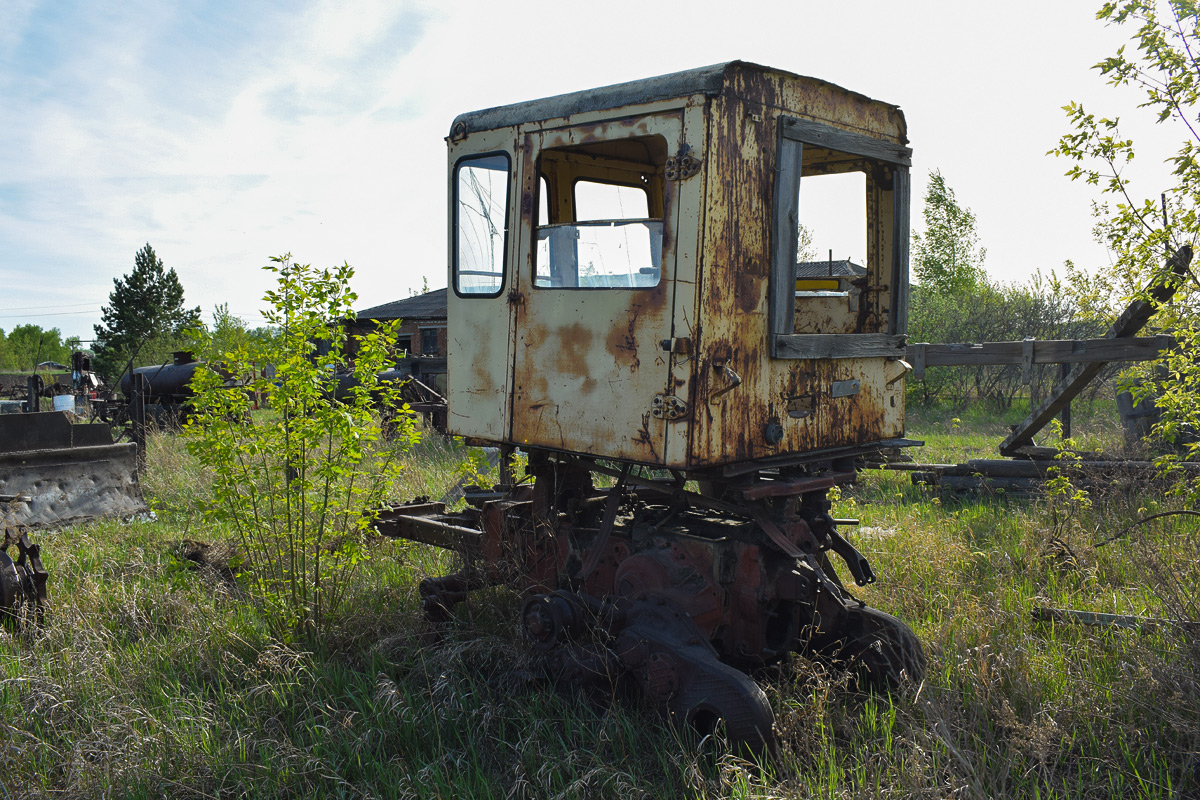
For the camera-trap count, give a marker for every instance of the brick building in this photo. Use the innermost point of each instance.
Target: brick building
(422, 334)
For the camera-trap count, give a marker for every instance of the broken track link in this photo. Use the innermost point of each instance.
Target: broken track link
(22, 582)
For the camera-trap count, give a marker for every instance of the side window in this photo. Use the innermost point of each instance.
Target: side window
(429, 341)
(831, 268)
(833, 231)
(839, 235)
(481, 228)
(600, 215)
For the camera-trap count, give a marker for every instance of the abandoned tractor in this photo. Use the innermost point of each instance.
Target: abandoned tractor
(631, 309)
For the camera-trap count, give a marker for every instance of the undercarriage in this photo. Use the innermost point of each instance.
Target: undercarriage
(679, 591)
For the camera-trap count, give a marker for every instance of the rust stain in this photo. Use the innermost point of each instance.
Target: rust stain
(575, 341)
(622, 342)
(482, 379)
(644, 438)
(482, 382)
(748, 292)
(532, 334)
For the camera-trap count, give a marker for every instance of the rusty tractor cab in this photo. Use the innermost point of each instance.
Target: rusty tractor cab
(628, 302)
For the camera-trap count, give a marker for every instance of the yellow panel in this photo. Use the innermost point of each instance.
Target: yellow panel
(817, 285)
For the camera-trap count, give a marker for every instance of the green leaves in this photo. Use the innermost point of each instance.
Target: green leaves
(947, 257)
(28, 345)
(301, 478)
(1141, 232)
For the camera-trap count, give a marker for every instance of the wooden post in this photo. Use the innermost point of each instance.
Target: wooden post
(1128, 324)
(1063, 371)
(137, 414)
(33, 388)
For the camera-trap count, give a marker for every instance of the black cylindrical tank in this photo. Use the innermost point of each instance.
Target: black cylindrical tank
(165, 383)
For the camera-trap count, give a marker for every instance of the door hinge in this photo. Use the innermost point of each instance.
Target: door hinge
(668, 407)
(681, 167)
(681, 345)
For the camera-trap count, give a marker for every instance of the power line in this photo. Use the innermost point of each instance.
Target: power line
(48, 314)
(35, 308)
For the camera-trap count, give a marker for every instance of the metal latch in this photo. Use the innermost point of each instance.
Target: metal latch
(733, 380)
(905, 368)
(681, 345)
(668, 407)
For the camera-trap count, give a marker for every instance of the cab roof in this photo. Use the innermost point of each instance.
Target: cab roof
(710, 81)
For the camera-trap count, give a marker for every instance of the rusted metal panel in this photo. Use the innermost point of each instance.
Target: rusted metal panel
(805, 97)
(690, 195)
(55, 472)
(782, 405)
(701, 81)
(588, 372)
(733, 279)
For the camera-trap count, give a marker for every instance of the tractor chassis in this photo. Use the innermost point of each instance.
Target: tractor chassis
(679, 592)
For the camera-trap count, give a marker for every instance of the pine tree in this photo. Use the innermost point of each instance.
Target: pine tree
(144, 317)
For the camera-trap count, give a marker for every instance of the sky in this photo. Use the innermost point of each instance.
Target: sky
(224, 133)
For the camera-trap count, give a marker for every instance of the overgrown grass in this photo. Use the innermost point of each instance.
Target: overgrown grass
(155, 679)
(954, 435)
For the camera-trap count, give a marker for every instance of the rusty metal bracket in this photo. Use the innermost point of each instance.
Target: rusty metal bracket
(779, 538)
(859, 567)
(668, 407)
(611, 506)
(905, 368)
(845, 388)
(22, 582)
(680, 345)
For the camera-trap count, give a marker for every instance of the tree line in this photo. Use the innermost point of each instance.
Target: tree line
(26, 346)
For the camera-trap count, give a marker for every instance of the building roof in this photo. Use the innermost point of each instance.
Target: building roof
(829, 269)
(431, 305)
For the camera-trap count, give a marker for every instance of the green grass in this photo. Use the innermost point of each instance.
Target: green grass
(153, 679)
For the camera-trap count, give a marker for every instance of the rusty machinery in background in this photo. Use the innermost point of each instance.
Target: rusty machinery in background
(53, 472)
(166, 390)
(629, 309)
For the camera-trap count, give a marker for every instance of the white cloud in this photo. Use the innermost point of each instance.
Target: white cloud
(14, 22)
(226, 133)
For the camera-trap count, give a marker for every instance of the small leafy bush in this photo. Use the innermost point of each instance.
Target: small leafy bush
(300, 482)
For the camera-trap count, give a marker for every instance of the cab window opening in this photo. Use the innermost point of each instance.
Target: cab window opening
(481, 188)
(600, 215)
(832, 262)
